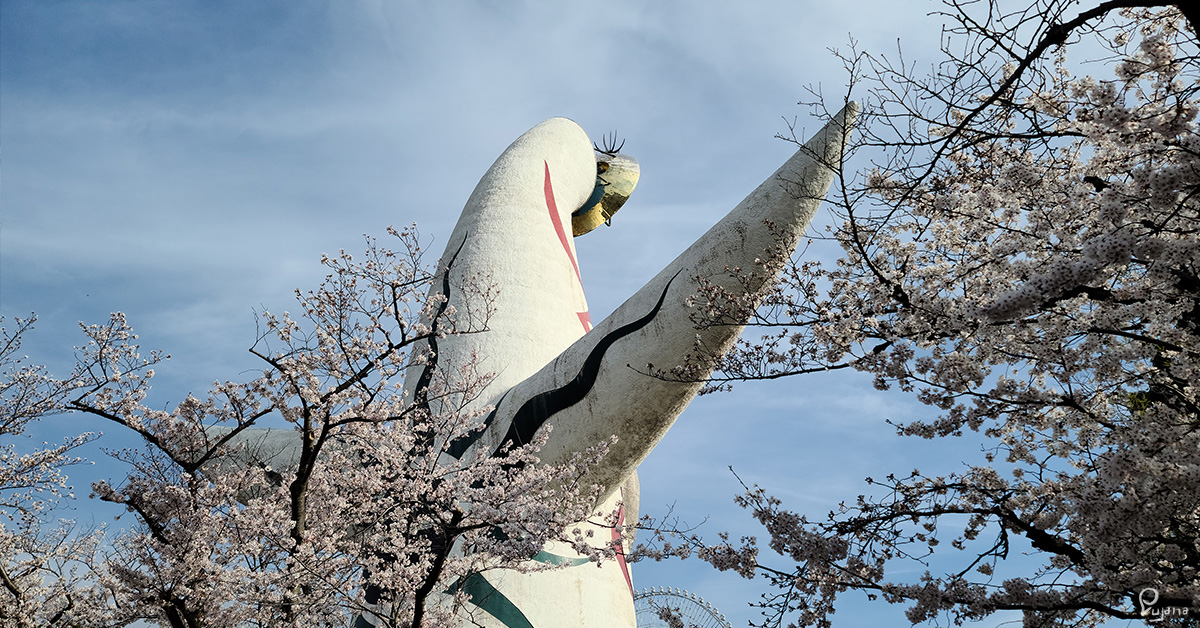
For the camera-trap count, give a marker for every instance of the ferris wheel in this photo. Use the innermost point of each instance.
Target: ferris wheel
(686, 610)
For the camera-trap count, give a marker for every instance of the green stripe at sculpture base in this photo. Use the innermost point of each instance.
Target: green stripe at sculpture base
(561, 561)
(481, 593)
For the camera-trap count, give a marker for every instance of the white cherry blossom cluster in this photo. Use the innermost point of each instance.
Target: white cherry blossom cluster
(362, 512)
(44, 563)
(1024, 258)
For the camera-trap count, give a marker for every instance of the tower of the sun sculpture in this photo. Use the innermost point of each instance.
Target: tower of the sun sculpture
(553, 369)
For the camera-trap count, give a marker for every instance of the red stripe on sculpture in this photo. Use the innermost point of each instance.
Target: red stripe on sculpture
(616, 539)
(558, 226)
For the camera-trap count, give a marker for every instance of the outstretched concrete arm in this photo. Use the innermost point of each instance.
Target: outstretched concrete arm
(597, 387)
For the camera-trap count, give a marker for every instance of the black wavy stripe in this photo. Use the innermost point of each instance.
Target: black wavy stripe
(420, 396)
(460, 445)
(534, 412)
(373, 593)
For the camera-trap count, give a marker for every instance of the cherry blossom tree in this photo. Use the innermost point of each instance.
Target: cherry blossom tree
(1022, 257)
(347, 508)
(42, 563)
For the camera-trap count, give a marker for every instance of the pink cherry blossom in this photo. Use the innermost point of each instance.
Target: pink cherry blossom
(372, 518)
(1022, 256)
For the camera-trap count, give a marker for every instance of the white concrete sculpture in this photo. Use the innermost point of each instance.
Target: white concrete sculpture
(552, 368)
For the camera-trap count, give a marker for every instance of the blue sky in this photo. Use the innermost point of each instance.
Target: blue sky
(188, 163)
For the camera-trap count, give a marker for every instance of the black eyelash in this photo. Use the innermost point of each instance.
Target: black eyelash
(609, 146)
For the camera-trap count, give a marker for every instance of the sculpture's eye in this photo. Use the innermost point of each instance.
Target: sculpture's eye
(601, 167)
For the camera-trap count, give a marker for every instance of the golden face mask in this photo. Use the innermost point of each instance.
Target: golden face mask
(616, 176)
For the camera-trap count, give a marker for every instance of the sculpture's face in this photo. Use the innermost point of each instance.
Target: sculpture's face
(616, 176)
